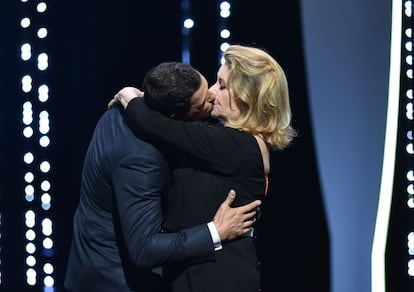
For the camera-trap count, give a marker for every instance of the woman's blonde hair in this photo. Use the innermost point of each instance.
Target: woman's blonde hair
(260, 86)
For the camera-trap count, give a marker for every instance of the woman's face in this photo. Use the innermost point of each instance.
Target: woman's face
(224, 106)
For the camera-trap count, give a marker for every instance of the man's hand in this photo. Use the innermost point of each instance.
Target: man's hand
(124, 96)
(233, 222)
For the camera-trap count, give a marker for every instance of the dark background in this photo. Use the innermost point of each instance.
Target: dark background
(97, 47)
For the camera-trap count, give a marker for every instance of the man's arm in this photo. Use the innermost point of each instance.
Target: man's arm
(138, 200)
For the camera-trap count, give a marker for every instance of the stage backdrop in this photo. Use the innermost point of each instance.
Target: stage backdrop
(347, 59)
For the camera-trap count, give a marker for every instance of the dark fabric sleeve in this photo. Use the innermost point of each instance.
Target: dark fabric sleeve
(137, 193)
(216, 147)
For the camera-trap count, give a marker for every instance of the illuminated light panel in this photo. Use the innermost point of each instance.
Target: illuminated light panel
(409, 135)
(187, 25)
(27, 83)
(400, 95)
(26, 52)
(387, 177)
(224, 30)
(43, 93)
(25, 22)
(42, 33)
(41, 7)
(37, 186)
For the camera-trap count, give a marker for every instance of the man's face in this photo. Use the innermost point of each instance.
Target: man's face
(226, 105)
(201, 102)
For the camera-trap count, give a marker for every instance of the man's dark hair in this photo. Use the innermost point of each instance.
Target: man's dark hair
(168, 87)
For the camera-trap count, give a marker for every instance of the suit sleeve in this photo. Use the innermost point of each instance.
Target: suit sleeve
(138, 194)
(218, 148)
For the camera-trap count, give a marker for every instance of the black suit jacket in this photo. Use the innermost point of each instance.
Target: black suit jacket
(116, 227)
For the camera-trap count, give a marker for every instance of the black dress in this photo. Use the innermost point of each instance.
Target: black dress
(207, 161)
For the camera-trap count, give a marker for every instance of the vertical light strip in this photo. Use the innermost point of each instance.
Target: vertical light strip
(44, 166)
(187, 25)
(407, 90)
(26, 55)
(224, 30)
(35, 94)
(387, 178)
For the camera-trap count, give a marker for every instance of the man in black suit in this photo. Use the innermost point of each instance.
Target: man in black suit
(117, 236)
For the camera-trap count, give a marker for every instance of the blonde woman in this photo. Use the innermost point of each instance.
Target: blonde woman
(252, 101)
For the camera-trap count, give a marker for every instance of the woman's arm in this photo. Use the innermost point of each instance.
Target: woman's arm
(124, 96)
(215, 146)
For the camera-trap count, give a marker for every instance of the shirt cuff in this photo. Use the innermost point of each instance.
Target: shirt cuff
(214, 236)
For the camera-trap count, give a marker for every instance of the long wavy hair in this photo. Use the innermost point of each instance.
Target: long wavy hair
(259, 85)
